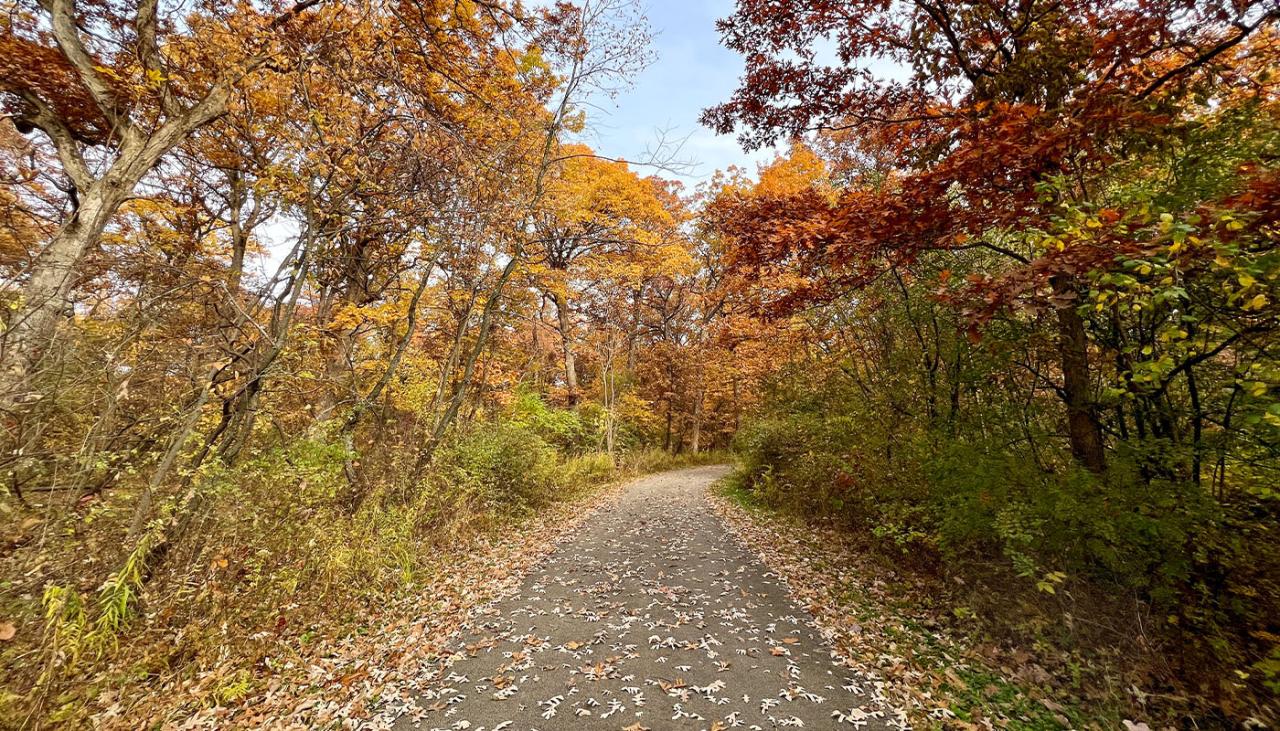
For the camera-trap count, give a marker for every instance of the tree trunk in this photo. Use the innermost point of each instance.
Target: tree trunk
(566, 337)
(1083, 428)
(45, 299)
(47, 293)
(608, 395)
(462, 386)
(696, 443)
(737, 404)
(666, 439)
(142, 511)
(239, 194)
(337, 370)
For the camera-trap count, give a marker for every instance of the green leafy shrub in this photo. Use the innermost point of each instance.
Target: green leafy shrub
(828, 465)
(563, 429)
(1203, 568)
(508, 464)
(1116, 528)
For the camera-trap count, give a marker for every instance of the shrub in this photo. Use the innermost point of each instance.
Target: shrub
(1203, 568)
(1118, 528)
(585, 470)
(508, 464)
(564, 429)
(830, 466)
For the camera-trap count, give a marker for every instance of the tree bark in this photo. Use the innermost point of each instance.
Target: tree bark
(47, 293)
(462, 386)
(696, 443)
(1083, 428)
(566, 338)
(142, 511)
(46, 296)
(666, 439)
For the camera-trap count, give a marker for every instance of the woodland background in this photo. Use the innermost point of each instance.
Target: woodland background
(300, 298)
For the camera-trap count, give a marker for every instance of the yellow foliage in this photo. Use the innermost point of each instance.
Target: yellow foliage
(798, 170)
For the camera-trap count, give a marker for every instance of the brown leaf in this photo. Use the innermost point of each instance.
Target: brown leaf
(668, 687)
(955, 680)
(7, 631)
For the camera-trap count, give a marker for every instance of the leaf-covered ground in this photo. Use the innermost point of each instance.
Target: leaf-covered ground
(659, 603)
(887, 629)
(341, 683)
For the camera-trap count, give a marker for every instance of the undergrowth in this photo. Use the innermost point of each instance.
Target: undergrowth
(286, 554)
(884, 617)
(1138, 590)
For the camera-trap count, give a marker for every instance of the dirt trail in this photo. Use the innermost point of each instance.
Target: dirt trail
(653, 616)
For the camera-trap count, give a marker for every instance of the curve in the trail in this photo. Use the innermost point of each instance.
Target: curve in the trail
(652, 617)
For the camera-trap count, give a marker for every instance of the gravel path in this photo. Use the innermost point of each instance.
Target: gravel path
(652, 617)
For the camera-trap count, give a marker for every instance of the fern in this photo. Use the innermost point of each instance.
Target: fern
(65, 622)
(119, 594)
(68, 629)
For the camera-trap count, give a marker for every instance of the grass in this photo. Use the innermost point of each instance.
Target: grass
(657, 460)
(735, 489)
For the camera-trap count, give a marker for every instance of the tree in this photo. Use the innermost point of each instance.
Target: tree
(600, 221)
(112, 110)
(999, 113)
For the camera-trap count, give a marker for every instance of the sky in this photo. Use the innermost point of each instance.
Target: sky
(690, 72)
